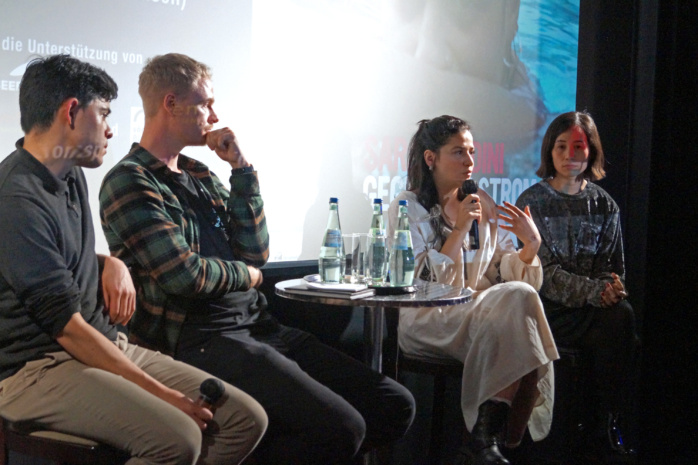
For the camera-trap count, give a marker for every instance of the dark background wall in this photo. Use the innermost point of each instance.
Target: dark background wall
(638, 63)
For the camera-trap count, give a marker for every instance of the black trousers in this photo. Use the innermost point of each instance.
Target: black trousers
(608, 341)
(322, 404)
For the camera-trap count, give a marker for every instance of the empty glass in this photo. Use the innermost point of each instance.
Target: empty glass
(356, 251)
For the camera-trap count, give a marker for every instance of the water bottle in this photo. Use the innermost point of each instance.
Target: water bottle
(401, 256)
(332, 262)
(376, 265)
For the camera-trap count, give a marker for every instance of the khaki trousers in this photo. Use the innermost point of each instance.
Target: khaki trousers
(67, 396)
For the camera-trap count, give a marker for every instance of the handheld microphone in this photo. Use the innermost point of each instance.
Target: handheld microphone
(470, 187)
(211, 390)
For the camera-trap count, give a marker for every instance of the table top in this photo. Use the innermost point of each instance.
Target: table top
(427, 295)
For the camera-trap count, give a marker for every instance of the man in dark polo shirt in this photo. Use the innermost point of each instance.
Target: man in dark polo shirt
(63, 364)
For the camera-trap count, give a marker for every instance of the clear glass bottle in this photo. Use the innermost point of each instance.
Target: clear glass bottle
(376, 257)
(401, 256)
(331, 263)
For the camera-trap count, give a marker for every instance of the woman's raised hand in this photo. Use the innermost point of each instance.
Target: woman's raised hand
(522, 225)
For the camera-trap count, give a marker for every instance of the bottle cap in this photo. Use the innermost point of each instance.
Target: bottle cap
(333, 199)
(378, 201)
(402, 202)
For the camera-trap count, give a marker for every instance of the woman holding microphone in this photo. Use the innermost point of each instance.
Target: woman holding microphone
(501, 336)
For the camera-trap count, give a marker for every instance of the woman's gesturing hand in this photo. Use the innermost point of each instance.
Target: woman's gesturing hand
(522, 225)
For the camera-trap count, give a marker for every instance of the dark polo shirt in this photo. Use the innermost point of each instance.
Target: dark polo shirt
(48, 265)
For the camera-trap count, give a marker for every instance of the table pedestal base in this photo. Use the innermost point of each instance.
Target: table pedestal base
(374, 322)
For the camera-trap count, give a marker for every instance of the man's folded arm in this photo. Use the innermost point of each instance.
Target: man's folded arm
(133, 213)
(32, 264)
(247, 225)
(90, 347)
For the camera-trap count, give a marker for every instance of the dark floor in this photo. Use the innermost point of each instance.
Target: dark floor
(563, 445)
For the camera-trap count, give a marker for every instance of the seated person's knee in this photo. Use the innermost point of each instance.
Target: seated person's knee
(178, 444)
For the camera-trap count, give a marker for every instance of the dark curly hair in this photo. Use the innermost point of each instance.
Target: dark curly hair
(431, 135)
(50, 81)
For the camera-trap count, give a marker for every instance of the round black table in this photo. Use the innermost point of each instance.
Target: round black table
(427, 295)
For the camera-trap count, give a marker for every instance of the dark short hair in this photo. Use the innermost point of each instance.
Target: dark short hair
(431, 135)
(50, 81)
(563, 123)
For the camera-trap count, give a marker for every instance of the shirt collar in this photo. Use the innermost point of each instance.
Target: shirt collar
(154, 164)
(50, 181)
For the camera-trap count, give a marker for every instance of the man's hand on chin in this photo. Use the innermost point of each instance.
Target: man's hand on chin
(224, 143)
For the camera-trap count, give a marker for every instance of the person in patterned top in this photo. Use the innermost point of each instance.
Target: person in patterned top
(583, 289)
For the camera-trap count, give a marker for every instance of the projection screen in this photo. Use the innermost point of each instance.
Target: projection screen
(323, 95)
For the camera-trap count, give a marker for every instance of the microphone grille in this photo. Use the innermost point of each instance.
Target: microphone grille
(212, 389)
(469, 187)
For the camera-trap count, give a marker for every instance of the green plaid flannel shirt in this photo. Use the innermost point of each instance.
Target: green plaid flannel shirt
(158, 238)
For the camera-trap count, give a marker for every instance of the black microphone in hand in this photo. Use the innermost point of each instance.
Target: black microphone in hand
(211, 390)
(470, 187)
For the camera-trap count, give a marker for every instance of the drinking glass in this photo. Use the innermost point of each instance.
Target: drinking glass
(376, 259)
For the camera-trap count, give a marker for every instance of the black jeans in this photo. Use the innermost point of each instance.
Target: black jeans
(611, 344)
(608, 341)
(322, 404)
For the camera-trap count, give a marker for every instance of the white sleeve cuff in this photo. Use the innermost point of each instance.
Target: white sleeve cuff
(513, 268)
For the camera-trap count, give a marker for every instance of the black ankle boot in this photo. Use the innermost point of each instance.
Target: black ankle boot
(491, 418)
(607, 444)
(615, 438)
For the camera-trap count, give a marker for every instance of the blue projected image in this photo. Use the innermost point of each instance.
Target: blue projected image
(546, 43)
(506, 66)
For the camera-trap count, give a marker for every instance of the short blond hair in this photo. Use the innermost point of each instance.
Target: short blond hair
(173, 72)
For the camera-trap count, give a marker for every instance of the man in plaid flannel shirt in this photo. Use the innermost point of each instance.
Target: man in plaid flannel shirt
(194, 249)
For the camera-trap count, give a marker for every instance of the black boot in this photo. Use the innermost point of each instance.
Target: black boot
(616, 441)
(607, 444)
(491, 418)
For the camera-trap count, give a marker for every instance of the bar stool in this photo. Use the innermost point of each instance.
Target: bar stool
(30, 439)
(440, 369)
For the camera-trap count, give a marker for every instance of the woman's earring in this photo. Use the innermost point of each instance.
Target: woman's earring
(431, 167)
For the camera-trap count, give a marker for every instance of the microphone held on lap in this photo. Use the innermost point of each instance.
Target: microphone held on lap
(470, 187)
(211, 390)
